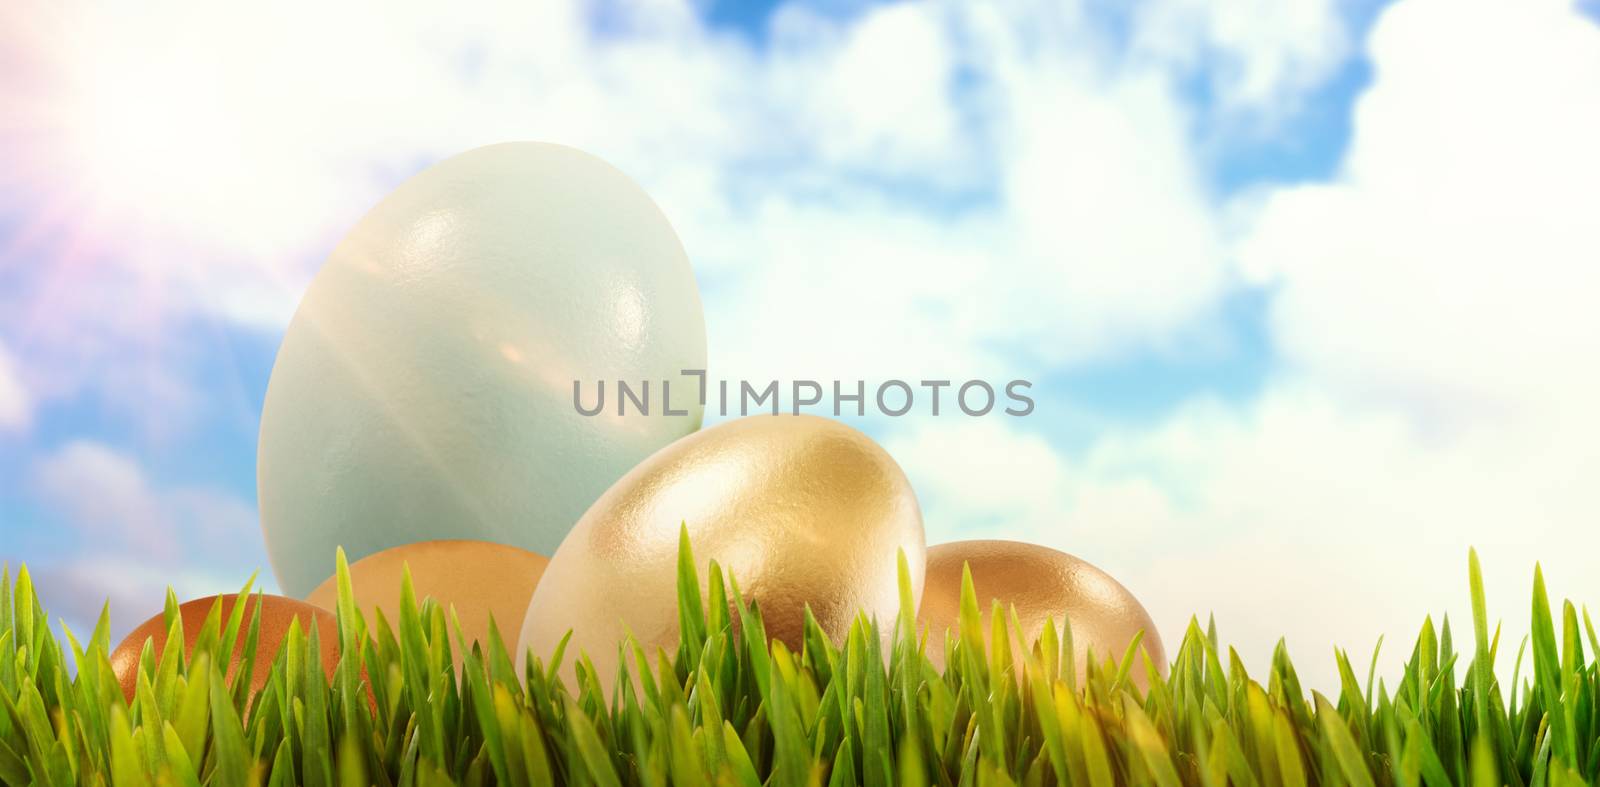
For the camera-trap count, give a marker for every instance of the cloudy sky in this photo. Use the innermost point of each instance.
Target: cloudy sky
(1306, 288)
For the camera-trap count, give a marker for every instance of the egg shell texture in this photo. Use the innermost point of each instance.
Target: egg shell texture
(800, 509)
(475, 578)
(1043, 584)
(424, 389)
(276, 614)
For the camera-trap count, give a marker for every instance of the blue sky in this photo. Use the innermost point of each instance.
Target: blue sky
(1255, 257)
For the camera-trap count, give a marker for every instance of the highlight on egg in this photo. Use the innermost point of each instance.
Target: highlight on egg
(801, 510)
(1041, 584)
(478, 579)
(424, 387)
(277, 613)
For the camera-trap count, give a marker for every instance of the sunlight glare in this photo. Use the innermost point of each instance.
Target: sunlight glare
(159, 140)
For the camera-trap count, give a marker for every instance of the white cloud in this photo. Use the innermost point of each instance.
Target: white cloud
(1298, 516)
(75, 590)
(1450, 265)
(1265, 53)
(977, 477)
(880, 191)
(874, 93)
(105, 494)
(16, 404)
(125, 539)
(1093, 168)
(1327, 522)
(1437, 296)
(1076, 157)
(1434, 302)
(107, 499)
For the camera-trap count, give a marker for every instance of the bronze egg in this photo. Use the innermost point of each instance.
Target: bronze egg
(276, 614)
(1043, 584)
(477, 578)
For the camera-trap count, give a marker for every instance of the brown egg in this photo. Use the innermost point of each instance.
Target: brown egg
(276, 613)
(478, 578)
(1043, 584)
(802, 510)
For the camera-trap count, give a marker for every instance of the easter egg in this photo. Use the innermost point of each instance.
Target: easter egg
(277, 613)
(800, 510)
(476, 578)
(427, 386)
(1042, 584)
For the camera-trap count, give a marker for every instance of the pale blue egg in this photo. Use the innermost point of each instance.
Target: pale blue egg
(424, 389)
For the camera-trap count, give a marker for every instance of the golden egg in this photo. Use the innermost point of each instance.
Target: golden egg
(477, 578)
(1042, 584)
(276, 614)
(800, 509)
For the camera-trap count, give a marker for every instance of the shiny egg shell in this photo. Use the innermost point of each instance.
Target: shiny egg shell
(476, 578)
(800, 509)
(1042, 584)
(277, 613)
(425, 387)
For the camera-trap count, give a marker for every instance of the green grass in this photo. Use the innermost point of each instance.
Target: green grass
(727, 709)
